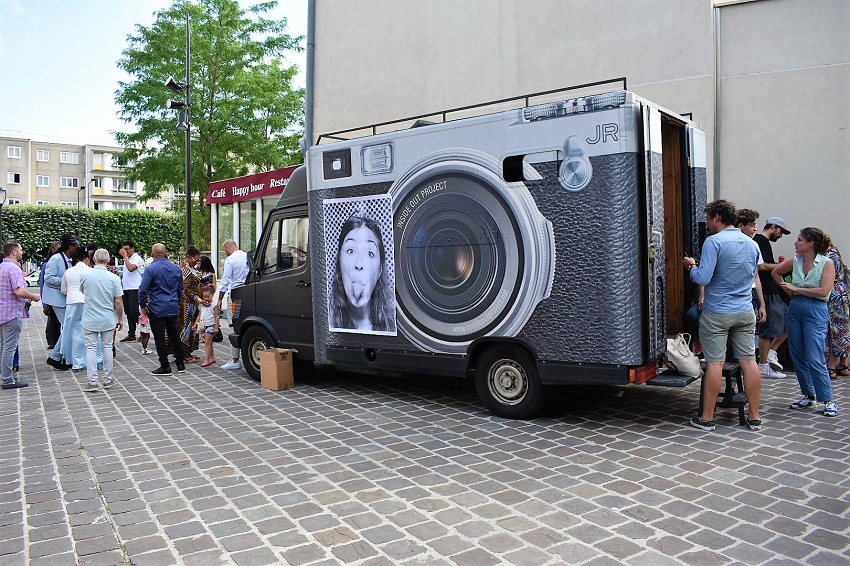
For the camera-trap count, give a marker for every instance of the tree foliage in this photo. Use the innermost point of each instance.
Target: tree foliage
(37, 227)
(246, 115)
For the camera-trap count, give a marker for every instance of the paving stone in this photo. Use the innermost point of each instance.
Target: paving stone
(96, 545)
(304, 554)
(48, 532)
(157, 558)
(195, 544)
(12, 546)
(144, 544)
(65, 559)
(475, 557)
(243, 541)
(206, 558)
(83, 532)
(137, 530)
(50, 547)
(255, 557)
(619, 547)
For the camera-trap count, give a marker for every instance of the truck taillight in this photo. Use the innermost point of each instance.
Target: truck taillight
(643, 373)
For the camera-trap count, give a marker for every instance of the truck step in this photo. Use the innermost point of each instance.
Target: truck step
(671, 380)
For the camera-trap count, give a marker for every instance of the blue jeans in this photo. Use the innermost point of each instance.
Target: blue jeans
(10, 333)
(73, 345)
(806, 323)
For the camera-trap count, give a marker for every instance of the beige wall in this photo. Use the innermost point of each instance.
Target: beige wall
(386, 59)
(782, 110)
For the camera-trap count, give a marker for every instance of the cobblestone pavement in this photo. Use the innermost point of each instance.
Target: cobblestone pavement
(208, 468)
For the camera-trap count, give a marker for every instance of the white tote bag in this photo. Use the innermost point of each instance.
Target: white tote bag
(681, 358)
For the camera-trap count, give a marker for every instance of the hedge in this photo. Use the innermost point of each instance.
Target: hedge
(37, 227)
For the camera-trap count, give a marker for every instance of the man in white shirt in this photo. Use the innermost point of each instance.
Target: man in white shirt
(130, 281)
(235, 273)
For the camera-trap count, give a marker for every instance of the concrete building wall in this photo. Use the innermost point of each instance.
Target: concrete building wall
(387, 59)
(784, 135)
(778, 99)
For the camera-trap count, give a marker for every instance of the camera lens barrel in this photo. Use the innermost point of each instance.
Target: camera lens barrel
(474, 254)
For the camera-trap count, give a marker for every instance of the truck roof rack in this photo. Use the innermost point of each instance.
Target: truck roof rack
(464, 111)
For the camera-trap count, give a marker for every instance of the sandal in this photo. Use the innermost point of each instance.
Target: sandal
(842, 370)
(832, 372)
(192, 360)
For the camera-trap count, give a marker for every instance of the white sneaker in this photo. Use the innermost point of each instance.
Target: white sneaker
(232, 365)
(773, 360)
(768, 372)
(147, 351)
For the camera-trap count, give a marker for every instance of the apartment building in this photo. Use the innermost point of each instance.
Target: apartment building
(90, 176)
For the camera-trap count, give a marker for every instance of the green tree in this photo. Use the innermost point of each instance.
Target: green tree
(246, 115)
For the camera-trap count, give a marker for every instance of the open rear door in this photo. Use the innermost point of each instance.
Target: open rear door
(655, 253)
(698, 188)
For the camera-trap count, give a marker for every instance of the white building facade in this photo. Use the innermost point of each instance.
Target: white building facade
(86, 176)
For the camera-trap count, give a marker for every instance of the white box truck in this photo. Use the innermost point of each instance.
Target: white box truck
(526, 248)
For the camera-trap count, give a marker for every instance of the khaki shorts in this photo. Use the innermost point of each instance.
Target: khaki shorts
(738, 329)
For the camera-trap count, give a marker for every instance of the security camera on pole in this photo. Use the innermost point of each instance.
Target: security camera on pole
(184, 125)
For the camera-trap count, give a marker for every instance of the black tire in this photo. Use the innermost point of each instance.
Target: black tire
(507, 382)
(256, 338)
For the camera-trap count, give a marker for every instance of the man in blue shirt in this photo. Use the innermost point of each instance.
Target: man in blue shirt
(727, 270)
(53, 295)
(159, 299)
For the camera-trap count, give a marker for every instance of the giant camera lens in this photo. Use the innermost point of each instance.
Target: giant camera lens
(464, 247)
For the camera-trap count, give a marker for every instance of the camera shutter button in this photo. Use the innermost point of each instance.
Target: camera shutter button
(575, 171)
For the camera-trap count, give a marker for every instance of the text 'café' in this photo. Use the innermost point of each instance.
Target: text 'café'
(239, 208)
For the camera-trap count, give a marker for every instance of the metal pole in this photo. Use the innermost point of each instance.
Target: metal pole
(2, 204)
(188, 140)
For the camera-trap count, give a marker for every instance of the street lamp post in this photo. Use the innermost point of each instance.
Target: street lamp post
(184, 125)
(2, 202)
(80, 190)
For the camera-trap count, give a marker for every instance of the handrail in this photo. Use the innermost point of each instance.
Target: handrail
(526, 97)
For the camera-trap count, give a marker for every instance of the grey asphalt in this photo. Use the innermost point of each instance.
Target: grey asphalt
(207, 467)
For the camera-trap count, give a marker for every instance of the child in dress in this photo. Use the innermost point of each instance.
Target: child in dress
(206, 324)
(144, 333)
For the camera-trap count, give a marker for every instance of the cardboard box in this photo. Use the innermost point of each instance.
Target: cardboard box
(276, 368)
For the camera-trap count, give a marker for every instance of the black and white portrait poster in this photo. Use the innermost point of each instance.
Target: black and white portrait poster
(361, 273)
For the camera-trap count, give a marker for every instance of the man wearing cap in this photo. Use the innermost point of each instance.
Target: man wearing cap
(772, 332)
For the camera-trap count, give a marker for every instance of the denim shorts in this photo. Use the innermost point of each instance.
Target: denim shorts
(738, 329)
(774, 326)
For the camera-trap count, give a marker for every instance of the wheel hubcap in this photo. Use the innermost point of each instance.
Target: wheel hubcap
(259, 345)
(507, 382)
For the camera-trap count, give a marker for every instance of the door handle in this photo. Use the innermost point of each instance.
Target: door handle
(654, 244)
(303, 284)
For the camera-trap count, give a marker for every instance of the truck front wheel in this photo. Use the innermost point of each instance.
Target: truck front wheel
(256, 339)
(507, 383)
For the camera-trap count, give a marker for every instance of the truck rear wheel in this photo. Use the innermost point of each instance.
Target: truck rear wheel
(507, 382)
(256, 339)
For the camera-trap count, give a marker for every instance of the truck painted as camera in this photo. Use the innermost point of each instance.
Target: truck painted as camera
(526, 248)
